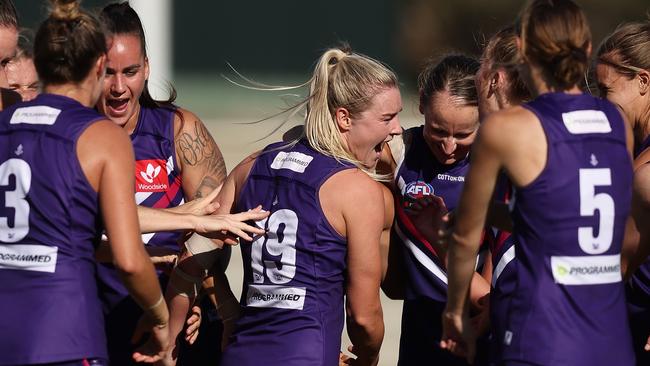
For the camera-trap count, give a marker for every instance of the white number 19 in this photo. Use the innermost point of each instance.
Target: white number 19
(280, 241)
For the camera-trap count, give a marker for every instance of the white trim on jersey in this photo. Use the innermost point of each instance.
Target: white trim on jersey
(421, 257)
(506, 258)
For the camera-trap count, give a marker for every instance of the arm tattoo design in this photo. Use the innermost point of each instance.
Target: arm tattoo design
(199, 150)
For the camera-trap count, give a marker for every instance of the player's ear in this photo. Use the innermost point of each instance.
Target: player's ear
(343, 120)
(146, 68)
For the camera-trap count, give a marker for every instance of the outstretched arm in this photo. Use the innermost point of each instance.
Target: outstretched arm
(190, 272)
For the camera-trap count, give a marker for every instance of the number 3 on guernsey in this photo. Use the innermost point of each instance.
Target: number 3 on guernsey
(15, 180)
(590, 201)
(280, 241)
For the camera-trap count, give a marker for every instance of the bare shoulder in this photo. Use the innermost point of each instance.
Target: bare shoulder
(241, 171)
(353, 189)
(349, 197)
(389, 205)
(184, 120)
(642, 159)
(510, 121)
(104, 134)
(187, 124)
(642, 184)
(103, 144)
(510, 127)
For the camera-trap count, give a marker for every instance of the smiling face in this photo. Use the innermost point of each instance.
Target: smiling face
(370, 129)
(620, 90)
(449, 127)
(126, 72)
(8, 43)
(22, 77)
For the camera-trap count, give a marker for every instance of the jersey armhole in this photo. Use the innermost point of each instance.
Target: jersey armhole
(77, 161)
(549, 143)
(322, 181)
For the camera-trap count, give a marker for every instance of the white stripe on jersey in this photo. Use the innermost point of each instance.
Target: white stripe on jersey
(421, 256)
(506, 258)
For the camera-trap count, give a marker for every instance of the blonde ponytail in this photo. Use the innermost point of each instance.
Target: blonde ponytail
(342, 80)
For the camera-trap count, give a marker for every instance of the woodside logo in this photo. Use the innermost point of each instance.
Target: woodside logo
(150, 175)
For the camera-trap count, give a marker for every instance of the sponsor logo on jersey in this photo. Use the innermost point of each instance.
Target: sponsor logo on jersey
(36, 115)
(587, 121)
(418, 189)
(451, 178)
(295, 161)
(586, 270)
(271, 296)
(150, 175)
(39, 258)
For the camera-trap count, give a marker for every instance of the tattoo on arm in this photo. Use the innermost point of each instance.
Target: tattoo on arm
(199, 150)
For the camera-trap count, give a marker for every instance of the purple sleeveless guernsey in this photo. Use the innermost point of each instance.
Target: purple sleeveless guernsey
(49, 226)
(419, 174)
(158, 185)
(638, 297)
(569, 306)
(292, 297)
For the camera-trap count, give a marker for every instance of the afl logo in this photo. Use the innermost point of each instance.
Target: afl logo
(418, 189)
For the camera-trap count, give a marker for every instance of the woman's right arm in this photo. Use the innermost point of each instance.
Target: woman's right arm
(354, 205)
(190, 272)
(107, 160)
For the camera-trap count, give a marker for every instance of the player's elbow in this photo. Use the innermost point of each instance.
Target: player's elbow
(131, 266)
(368, 318)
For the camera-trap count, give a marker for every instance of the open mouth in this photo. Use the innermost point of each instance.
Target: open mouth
(117, 105)
(379, 147)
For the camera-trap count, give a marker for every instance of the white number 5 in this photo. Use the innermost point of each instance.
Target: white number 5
(590, 201)
(14, 191)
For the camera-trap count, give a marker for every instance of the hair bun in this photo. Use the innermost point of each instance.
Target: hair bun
(65, 10)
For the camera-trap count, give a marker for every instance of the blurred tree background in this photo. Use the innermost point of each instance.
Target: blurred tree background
(278, 41)
(282, 36)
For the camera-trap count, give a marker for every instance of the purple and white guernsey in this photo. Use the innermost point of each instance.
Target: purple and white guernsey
(419, 174)
(157, 185)
(569, 303)
(292, 298)
(49, 226)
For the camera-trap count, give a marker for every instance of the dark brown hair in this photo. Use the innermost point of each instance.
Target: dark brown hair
(67, 44)
(120, 18)
(555, 35)
(454, 73)
(501, 52)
